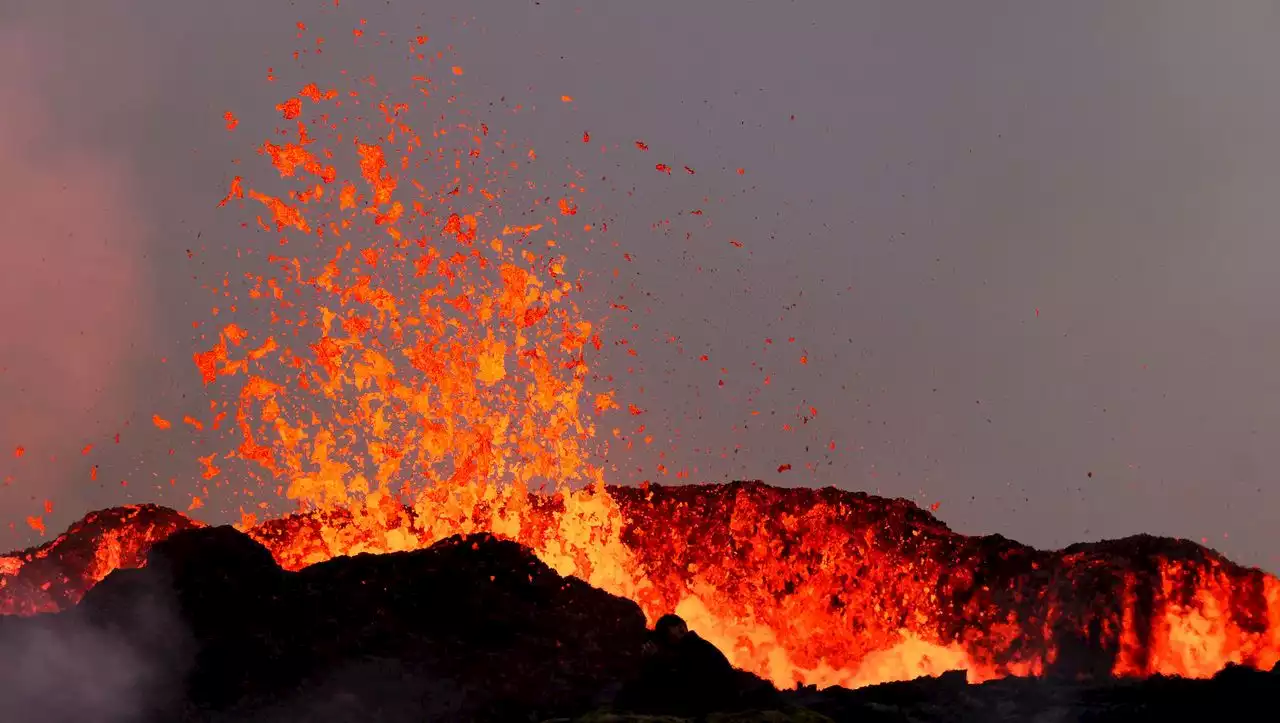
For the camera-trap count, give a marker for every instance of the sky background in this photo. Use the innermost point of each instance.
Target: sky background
(1029, 248)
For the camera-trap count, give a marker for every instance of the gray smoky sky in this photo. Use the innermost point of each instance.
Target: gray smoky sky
(1029, 248)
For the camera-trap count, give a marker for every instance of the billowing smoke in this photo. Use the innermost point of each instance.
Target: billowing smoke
(71, 275)
(53, 673)
(112, 663)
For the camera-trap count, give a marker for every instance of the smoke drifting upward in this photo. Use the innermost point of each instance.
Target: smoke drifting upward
(71, 280)
(65, 670)
(115, 659)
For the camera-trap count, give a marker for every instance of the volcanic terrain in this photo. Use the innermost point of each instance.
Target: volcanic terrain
(406, 340)
(808, 589)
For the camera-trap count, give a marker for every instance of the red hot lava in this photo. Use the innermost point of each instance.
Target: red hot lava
(798, 585)
(412, 359)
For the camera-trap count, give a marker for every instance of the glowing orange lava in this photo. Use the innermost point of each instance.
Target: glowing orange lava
(426, 371)
(799, 585)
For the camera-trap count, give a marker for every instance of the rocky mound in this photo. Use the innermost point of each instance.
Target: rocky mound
(857, 569)
(471, 629)
(54, 576)
(803, 585)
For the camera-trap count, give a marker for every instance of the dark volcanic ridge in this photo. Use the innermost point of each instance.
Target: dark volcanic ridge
(824, 587)
(471, 629)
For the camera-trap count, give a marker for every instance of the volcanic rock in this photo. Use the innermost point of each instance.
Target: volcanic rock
(788, 581)
(53, 576)
(683, 673)
(473, 628)
(1237, 694)
(867, 568)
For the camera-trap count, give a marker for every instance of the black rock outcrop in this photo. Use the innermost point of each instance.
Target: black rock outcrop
(472, 628)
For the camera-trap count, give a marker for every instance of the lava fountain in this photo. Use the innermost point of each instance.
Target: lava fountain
(413, 361)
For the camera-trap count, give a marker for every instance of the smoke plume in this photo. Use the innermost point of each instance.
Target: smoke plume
(117, 663)
(70, 274)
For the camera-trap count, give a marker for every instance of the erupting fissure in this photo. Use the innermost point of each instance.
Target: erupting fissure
(798, 585)
(425, 373)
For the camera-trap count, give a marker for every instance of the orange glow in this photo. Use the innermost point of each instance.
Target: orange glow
(816, 586)
(426, 372)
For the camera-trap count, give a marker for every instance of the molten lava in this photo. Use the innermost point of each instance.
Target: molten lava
(798, 585)
(413, 359)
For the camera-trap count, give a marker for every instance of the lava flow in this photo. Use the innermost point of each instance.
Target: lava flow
(812, 586)
(413, 361)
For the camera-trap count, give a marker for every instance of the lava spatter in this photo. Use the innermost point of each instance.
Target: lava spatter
(437, 346)
(426, 371)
